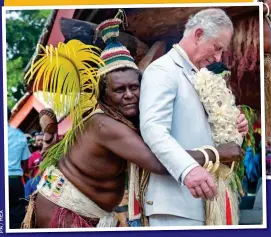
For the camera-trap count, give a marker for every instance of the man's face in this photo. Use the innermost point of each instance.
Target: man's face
(39, 141)
(122, 92)
(209, 50)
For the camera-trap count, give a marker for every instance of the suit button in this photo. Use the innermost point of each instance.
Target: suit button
(150, 202)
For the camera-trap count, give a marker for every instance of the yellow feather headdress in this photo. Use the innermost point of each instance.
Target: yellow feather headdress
(69, 73)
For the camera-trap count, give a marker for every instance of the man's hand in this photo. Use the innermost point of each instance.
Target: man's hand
(200, 183)
(242, 124)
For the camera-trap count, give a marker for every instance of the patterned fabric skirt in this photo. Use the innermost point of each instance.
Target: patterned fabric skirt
(64, 218)
(61, 218)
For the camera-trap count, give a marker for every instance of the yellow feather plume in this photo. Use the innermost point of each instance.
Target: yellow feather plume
(69, 73)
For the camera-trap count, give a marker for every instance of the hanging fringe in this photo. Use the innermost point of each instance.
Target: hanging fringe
(244, 54)
(145, 175)
(133, 203)
(224, 210)
(29, 219)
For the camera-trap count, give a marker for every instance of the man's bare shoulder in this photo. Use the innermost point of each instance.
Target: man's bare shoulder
(107, 127)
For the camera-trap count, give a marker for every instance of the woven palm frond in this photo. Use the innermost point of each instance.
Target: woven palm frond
(69, 73)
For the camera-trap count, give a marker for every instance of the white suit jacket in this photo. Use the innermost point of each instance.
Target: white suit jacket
(172, 120)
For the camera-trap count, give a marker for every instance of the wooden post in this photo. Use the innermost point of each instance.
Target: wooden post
(85, 32)
(156, 51)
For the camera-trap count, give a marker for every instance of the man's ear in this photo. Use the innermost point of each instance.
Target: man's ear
(199, 33)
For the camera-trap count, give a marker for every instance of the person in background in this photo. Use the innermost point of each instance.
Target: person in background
(35, 158)
(18, 154)
(39, 140)
(48, 123)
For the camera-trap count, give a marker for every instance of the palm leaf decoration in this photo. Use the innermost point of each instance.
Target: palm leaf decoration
(249, 139)
(68, 77)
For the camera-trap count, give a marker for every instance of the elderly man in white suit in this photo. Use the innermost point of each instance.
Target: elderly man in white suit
(173, 121)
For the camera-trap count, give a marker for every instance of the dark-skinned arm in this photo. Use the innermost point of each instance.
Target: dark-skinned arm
(127, 144)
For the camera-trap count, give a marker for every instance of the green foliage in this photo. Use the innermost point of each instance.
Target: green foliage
(249, 140)
(15, 87)
(23, 29)
(240, 169)
(23, 32)
(251, 117)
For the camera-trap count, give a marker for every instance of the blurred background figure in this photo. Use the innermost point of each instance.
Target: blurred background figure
(33, 164)
(30, 142)
(18, 153)
(38, 140)
(35, 158)
(42, 141)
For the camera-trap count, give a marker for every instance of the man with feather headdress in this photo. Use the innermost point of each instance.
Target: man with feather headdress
(83, 176)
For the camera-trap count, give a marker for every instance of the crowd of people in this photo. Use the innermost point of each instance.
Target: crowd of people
(24, 158)
(23, 163)
(85, 187)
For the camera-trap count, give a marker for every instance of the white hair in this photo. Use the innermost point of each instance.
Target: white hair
(212, 21)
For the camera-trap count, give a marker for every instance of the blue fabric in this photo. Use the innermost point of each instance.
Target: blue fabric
(252, 165)
(17, 151)
(135, 223)
(31, 186)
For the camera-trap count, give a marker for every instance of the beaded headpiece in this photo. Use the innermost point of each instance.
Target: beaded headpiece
(115, 55)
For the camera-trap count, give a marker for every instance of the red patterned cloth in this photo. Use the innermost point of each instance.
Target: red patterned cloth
(64, 218)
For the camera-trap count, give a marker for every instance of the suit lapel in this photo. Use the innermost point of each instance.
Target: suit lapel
(187, 69)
